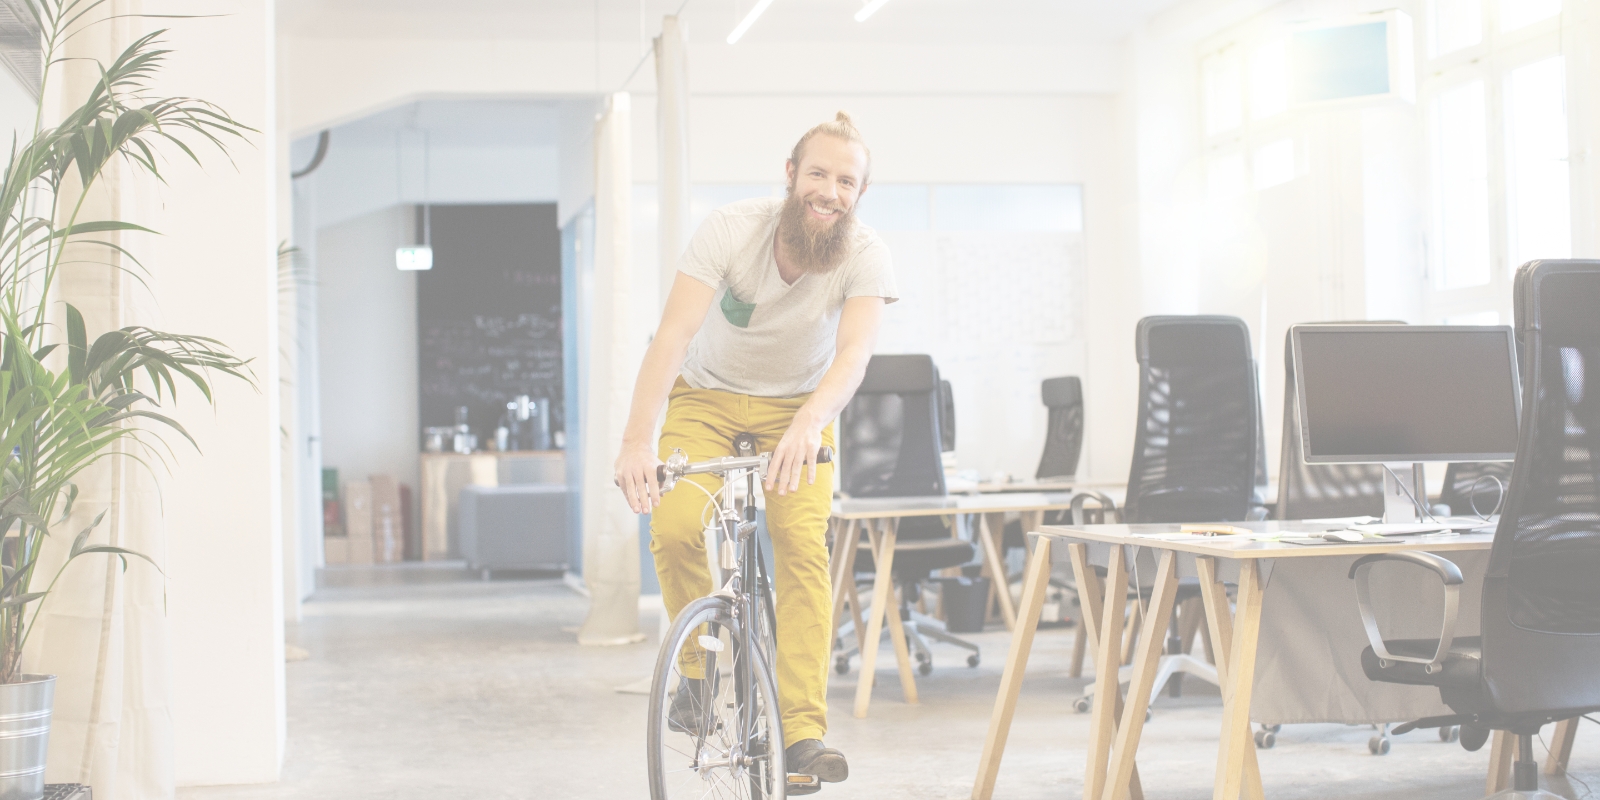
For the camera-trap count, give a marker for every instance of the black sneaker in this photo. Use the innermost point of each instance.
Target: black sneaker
(689, 712)
(809, 757)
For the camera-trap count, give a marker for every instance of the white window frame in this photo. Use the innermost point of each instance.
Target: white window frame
(1491, 61)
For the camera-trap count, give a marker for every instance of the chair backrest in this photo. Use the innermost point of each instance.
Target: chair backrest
(889, 432)
(947, 418)
(1314, 491)
(1474, 486)
(1541, 596)
(1196, 445)
(1063, 437)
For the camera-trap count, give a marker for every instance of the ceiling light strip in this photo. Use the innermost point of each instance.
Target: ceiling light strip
(869, 9)
(749, 19)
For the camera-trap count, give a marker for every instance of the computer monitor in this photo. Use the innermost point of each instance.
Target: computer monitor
(1406, 393)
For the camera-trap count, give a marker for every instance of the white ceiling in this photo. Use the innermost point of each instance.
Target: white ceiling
(900, 21)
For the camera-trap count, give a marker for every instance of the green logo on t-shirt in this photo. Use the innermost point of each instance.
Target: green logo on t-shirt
(737, 313)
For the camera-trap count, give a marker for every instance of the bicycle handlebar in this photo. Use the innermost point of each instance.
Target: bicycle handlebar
(728, 464)
(668, 474)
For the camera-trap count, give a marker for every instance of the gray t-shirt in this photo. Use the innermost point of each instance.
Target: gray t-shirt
(764, 337)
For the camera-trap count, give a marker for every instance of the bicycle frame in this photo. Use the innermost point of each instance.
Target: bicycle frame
(739, 555)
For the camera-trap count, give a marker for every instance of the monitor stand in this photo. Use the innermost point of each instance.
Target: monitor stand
(1398, 480)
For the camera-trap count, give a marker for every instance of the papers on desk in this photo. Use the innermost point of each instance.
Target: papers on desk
(1184, 536)
(1318, 541)
(1400, 529)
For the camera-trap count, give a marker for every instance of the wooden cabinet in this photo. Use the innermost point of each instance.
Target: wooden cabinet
(443, 475)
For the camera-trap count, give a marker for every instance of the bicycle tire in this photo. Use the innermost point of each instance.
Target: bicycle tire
(677, 772)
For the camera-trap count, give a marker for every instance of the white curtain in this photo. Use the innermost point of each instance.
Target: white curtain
(672, 148)
(610, 529)
(104, 632)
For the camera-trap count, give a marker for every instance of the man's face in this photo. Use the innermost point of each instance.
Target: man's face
(817, 224)
(828, 180)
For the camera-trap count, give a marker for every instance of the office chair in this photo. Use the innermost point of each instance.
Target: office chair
(1063, 438)
(1197, 450)
(1063, 444)
(947, 418)
(890, 439)
(1534, 660)
(1317, 491)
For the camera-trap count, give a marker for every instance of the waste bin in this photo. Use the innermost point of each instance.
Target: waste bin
(965, 601)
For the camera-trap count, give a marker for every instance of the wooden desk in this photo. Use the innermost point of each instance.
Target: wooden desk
(1115, 727)
(1053, 485)
(878, 516)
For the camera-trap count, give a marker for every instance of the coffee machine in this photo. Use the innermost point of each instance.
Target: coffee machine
(527, 423)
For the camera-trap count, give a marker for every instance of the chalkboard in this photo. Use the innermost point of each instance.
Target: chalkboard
(489, 314)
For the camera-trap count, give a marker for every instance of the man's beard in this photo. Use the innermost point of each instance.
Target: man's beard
(815, 247)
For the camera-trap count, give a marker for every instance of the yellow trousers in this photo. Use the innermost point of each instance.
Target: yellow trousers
(702, 423)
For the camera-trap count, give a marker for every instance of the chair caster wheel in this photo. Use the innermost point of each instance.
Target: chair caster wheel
(1265, 739)
(925, 667)
(1449, 733)
(972, 660)
(841, 665)
(1081, 705)
(1378, 745)
(1273, 728)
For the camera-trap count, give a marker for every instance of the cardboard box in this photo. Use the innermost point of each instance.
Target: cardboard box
(388, 523)
(358, 520)
(336, 550)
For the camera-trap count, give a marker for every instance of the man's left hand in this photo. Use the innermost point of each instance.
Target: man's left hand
(796, 453)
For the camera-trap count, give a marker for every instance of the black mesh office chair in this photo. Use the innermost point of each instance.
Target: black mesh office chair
(1063, 439)
(1063, 444)
(1317, 491)
(890, 441)
(947, 418)
(1196, 446)
(1197, 449)
(1535, 658)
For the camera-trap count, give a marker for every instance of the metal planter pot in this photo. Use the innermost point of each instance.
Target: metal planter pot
(25, 736)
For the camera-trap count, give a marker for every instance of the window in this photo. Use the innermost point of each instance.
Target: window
(1461, 175)
(1455, 24)
(1250, 141)
(1539, 195)
(1494, 101)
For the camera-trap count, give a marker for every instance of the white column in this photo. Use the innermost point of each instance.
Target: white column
(216, 275)
(672, 149)
(616, 346)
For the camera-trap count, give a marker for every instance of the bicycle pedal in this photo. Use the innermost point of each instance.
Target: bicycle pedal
(803, 784)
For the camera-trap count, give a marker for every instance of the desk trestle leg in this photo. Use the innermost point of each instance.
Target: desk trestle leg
(1035, 581)
(1238, 773)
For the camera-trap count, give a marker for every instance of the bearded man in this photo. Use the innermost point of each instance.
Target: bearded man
(802, 288)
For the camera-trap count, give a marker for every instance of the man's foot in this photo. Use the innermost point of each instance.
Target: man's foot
(809, 757)
(690, 712)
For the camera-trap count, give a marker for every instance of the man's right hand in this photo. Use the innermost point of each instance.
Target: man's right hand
(636, 474)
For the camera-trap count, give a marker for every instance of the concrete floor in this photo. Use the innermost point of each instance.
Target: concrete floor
(423, 683)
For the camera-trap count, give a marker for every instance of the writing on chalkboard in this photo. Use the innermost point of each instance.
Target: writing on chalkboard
(489, 315)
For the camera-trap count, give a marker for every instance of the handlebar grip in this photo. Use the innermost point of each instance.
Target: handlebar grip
(824, 455)
(661, 473)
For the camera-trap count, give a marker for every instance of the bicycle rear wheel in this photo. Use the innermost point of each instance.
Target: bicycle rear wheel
(726, 741)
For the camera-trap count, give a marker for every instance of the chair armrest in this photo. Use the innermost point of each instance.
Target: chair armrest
(1256, 514)
(1449, 574)
(1106, 503)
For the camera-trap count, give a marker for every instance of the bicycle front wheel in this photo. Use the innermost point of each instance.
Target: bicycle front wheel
(714, 729)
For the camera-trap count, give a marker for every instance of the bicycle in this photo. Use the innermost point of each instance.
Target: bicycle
(731, 743)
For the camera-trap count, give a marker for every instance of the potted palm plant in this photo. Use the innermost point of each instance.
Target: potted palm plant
(69, 400)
